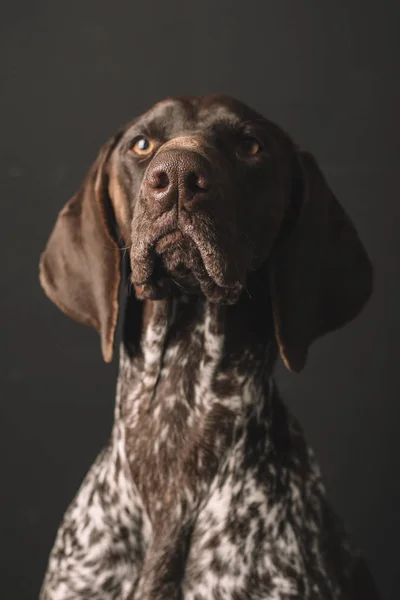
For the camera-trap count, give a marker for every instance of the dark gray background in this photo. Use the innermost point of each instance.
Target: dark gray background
(72, 72)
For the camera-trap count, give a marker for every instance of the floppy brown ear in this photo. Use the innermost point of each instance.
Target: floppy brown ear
(321, 276)
(80, 267)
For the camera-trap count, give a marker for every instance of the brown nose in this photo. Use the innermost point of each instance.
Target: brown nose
(177, 176)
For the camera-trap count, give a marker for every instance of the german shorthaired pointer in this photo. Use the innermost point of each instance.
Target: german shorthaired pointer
(238, 251)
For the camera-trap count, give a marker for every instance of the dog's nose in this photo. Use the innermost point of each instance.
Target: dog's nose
(177, 176)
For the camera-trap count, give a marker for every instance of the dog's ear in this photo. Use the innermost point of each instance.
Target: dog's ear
(320, 274)
(80, 267)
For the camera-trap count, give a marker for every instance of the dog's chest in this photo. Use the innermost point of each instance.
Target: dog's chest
(181, 400)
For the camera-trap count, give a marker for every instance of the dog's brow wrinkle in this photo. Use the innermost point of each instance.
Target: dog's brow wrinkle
(185, 141)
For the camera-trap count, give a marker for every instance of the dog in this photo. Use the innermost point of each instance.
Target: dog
(232, 250)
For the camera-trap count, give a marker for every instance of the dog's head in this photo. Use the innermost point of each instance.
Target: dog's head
(202, 191)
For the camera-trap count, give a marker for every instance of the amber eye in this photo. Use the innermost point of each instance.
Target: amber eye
(249, 147)
(143, 146)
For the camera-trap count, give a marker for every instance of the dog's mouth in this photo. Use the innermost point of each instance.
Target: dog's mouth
(175, 264)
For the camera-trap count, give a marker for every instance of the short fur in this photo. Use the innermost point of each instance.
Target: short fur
(207, 488)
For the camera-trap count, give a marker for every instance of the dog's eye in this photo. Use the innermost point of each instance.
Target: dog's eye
(143, 146)
(249, 147)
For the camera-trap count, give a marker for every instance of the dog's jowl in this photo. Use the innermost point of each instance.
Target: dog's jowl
(236, 252)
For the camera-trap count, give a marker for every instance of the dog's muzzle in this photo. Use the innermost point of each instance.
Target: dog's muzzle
(179, 196)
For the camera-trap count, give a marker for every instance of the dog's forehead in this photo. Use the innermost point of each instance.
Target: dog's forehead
(178, 115)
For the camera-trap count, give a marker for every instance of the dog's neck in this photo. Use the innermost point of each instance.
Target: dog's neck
(179, 333)
(191, 373)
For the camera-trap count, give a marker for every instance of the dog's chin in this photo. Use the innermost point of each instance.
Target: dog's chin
(179, 272)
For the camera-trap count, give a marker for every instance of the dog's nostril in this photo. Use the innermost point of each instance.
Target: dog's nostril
(196, 182)
(159, 180)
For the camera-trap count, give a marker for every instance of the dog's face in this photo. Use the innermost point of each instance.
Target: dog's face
(199, 188)
(202, 191)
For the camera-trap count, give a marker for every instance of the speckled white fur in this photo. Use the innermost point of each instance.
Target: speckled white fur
(253, 536)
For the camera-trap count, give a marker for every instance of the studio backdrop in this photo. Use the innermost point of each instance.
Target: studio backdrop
(72, 73)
